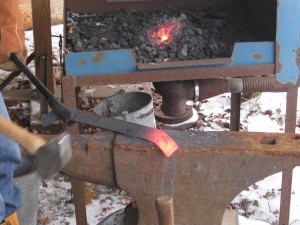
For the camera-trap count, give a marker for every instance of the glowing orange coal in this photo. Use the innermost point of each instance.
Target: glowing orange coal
(165, 33)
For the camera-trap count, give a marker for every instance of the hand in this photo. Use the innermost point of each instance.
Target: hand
(12, 35)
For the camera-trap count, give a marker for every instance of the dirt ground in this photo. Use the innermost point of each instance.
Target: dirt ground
(56, 12)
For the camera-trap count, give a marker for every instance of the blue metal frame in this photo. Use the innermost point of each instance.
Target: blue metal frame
(122, 61)
(287, 53)
(288, 41)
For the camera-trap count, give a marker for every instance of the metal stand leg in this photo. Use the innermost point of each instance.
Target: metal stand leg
(290, 123)
(235, 111)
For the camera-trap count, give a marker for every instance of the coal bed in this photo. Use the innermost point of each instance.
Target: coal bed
(165, 35)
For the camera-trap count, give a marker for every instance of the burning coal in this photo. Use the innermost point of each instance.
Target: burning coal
(164, 34)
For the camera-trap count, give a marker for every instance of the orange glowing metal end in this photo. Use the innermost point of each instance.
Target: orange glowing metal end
(168, 147)
(166, 144)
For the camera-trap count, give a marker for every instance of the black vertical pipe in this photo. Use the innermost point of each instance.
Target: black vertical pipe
(235, 111)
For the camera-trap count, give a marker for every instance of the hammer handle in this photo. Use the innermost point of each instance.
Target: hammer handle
(29, 141)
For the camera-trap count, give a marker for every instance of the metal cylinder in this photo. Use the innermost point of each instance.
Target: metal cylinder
(28, 181)
(174, 96)
(262, 84)
(176, 93)
(135, 107)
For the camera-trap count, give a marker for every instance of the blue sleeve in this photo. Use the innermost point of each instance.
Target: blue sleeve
(10, 196)
(2, 208)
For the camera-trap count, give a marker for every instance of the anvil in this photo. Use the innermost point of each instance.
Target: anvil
(203, 176)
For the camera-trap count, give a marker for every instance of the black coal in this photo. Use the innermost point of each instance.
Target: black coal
(203, 32)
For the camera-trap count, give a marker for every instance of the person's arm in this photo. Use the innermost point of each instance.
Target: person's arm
(12, 35)
(2, 208)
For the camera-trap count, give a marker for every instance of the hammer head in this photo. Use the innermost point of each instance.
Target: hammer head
(54, 156)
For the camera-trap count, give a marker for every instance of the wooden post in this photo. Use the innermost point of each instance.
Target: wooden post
(41, 20)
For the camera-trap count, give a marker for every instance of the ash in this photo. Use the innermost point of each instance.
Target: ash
(204, 32)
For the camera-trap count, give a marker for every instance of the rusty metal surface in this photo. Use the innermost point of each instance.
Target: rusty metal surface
(78, 196)
(165, 210)
(180, 64)
(291, 109)
(174, 75)
(160, 116)
(212, 87)
(174, 96)
(290, 123)
(235, 111)
(262, 84)
(92, 159)
(18, 95)
(206, 173)
(285, 198)
(99, 6)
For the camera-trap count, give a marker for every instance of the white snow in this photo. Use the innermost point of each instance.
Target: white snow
(56, 207)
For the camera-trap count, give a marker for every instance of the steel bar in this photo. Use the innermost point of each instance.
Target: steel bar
(173, 75)
(165, 211)
(14, 74)
(18, 95)
(290, 123)
(79, 201)
(166, 144)
(235, 111)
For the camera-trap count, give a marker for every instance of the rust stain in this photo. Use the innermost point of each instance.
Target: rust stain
(298, 57)
(278, 63)
(82, 62)
(98, 57)
(257, 56)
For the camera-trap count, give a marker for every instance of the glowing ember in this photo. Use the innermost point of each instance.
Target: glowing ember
(165, 33)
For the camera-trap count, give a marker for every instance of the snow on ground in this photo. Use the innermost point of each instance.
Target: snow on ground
(264, 113)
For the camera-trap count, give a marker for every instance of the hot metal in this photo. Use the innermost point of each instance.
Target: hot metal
(68, 115)
(206, 173)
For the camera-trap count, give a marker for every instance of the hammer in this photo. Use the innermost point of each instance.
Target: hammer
(51, 156)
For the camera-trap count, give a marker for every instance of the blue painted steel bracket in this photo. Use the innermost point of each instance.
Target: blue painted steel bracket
(100, 62)
(122, 61)
(288, 41)
(252, 53)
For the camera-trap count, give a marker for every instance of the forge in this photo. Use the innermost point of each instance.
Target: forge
(163, 41)
(166, 34)
(189, 50)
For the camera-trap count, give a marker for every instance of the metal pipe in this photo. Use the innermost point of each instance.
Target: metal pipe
(176, 93)
(212, 87)
(174, 96)
(165, 211)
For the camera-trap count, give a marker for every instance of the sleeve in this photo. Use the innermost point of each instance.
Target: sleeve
(12, 35)
(2, 208)
(10, 157)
